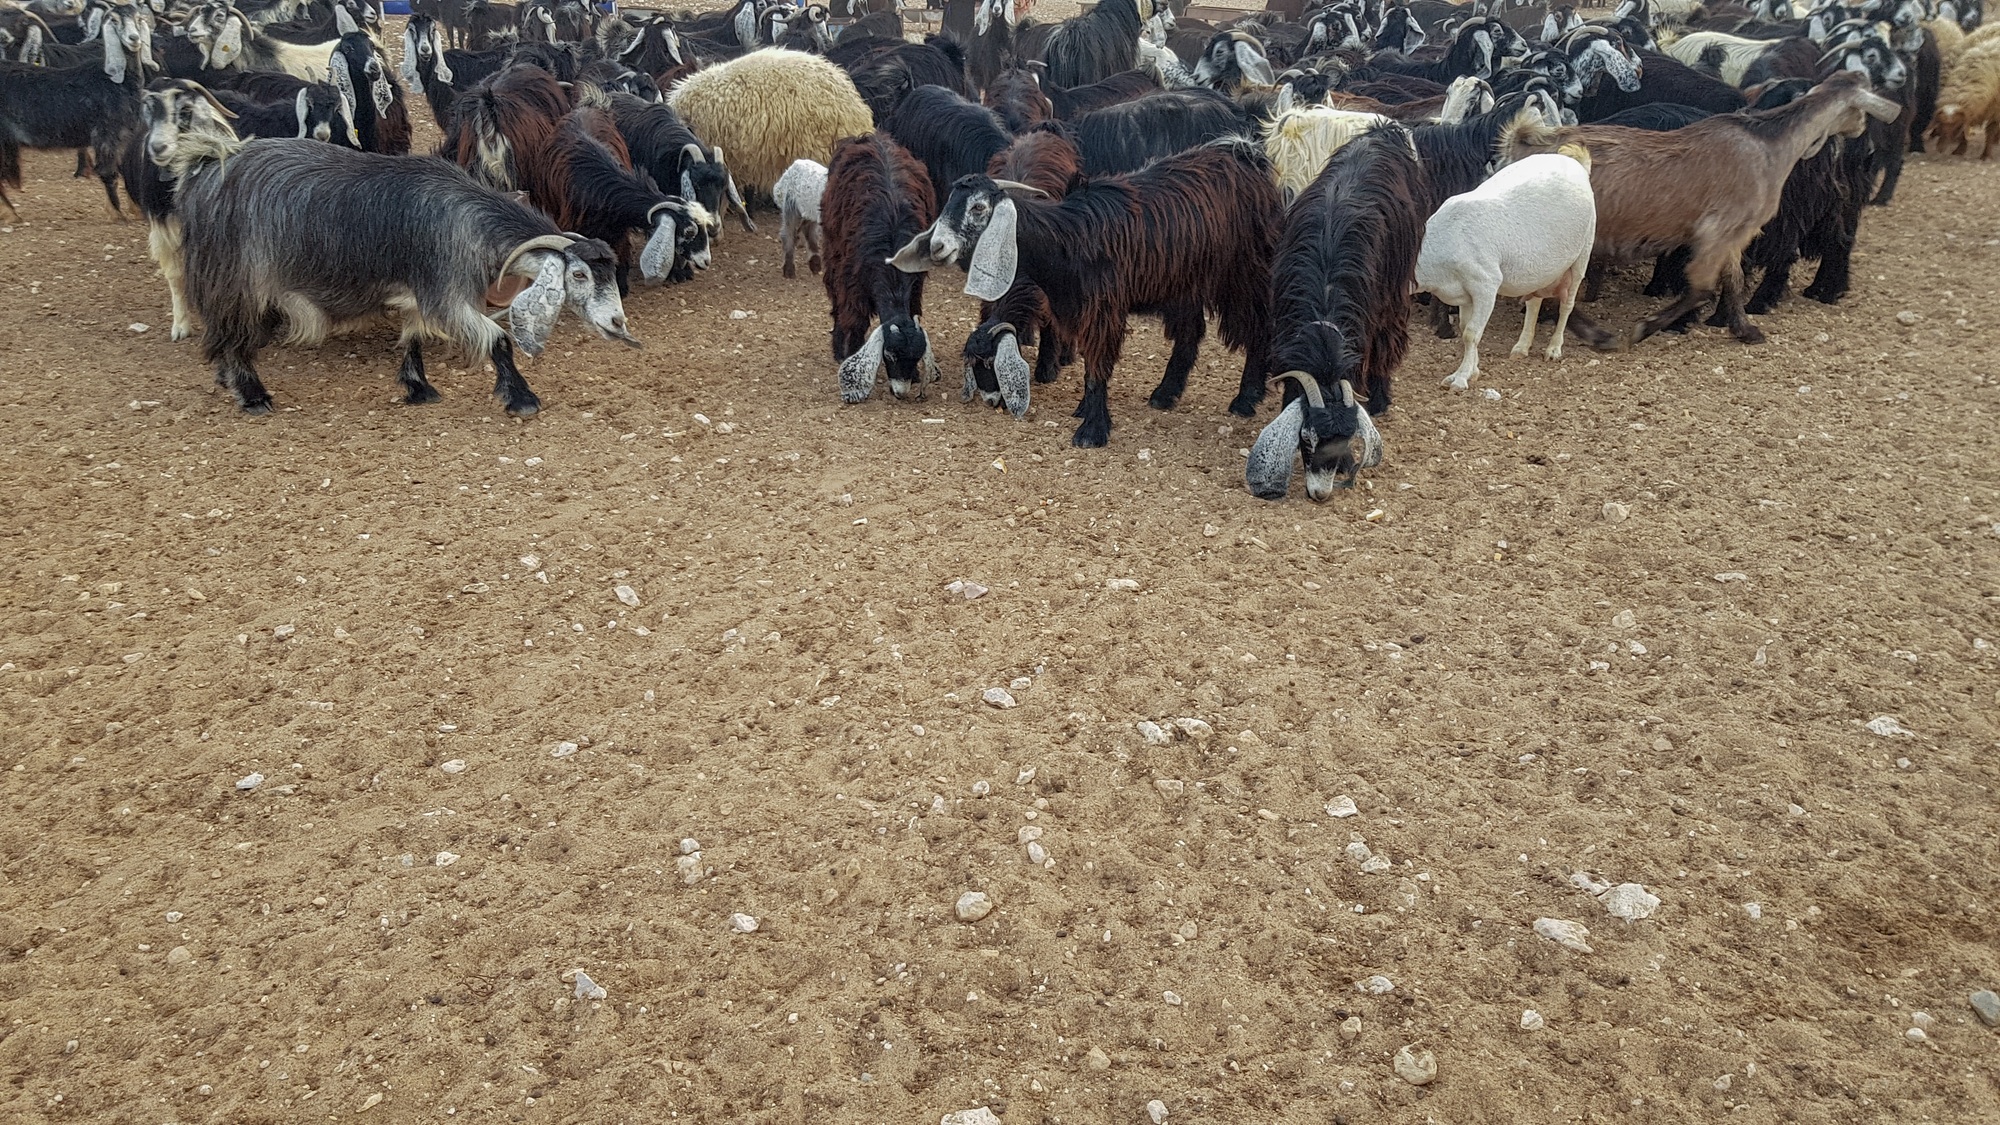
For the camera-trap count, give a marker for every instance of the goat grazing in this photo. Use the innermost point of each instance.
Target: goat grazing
(306, 237)
(1341, 313)
(798, 193)
(769, 108)
(663, 147)
(1046, 160)
(1187, 234)
(877, 197)
(1526, 232)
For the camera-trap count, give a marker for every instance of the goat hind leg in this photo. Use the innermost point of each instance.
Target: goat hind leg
(1730, 308)
(417, 389)
(1473, 318)
(1186, 330)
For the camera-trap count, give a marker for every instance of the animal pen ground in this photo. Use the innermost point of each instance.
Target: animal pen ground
(1629, 620)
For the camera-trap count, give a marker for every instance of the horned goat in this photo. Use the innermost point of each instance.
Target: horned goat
(877, 197)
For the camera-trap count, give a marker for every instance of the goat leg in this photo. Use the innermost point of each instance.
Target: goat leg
(508, 384)
(1691, 301)
(1531, 313)
(812, 241)
(417, 389)
(1186, 332)
(1052, 354)
(234, 370)
(788, 237)
(1095, 410)
(1669, 273)
(1591, 332)
(1731, 305)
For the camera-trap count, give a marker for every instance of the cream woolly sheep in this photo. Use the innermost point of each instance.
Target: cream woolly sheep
(1970, 97)
(798, 193)
(769, 108)
(1526, 232)
(1301, 141)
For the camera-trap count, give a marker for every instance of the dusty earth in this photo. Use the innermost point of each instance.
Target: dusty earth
(349, 594)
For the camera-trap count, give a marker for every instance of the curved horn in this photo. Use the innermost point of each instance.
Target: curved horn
(220, 109)
(692, 151)
(539, 242)
(1017, 189)
(1309, 386)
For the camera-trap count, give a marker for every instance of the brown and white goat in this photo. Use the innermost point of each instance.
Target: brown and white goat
(1710, 186)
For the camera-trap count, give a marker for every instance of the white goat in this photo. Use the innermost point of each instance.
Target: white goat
(798, 193)
(1300, 141)
(1526, 232)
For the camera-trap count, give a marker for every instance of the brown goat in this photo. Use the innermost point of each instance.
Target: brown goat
(1045, 159)
(1710, 186)
(877, 197)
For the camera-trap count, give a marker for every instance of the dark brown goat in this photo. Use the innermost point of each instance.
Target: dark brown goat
(877, 197)
(1017, 97)
(1044, 158)
(1188, 234)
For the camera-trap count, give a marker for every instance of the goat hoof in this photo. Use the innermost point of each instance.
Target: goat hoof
(525, 408)
(1458, 383)
(256, 408)
(1243, 407)
(417, 396)
(1090, 438)
(790, 271)
(1751, 334)
(1161, 401)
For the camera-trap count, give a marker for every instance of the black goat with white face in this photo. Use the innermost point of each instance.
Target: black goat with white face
(92, 106)
(304, 237)
(664, 148)
(316, 112)
(1232, 59)
(1595, 53)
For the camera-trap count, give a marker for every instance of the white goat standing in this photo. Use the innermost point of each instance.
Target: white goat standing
(798, 193)
(1526, 232)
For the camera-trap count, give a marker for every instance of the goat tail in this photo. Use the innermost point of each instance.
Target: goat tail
(1527, 133)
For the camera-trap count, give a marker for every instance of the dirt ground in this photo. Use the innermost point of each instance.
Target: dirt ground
(349, 596)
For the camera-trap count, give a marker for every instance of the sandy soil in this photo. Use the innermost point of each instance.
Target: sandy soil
(350, 593)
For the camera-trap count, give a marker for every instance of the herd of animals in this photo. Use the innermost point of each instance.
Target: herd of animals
(1309, 176)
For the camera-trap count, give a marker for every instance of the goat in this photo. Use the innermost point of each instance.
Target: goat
(169, 106)
(381, 116)
(1299, 142)
(644, 41)
(1233, 58)
(1188, 234)
(951, 136)
(1747, 62)
(1662, 79)
(663, 147)
(1119, 88)
(1092, 47)
(1046, 160)
(1658, 117)
(877, 197)
(1728, 172)
(317, 110)
(1127, 136)
(1016, 95)
(307, 237)
(229, 41)
(1341, 313)
(769, 108)
(92, 106)
(885, 72)
(1526, 232)
(1476, 49)
(798, 194)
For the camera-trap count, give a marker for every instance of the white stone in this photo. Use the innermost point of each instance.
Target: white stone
(1624, 619)
(997, 697)
(249, 781)
(1156, 1112)
(1916, 1035)
(1923, 1019)
(283, 631)
(690, 845)
(1630, 901)
(1888, 727)
(1195, 729)
(1025, 776)
(1490, 394)
(1906, 318)
(1342, 807)
(1121, 583)
(1418, 1068)
(1732, 576)
(563, 750)
(587, 989)
(626, 595)
(743, 923)
(174, 916)
(1376, 865)
(1173, 787)
(1377, 985)
(446, 859)
(972, 906)
(1987, 1005)
(1171, 997)
(1359, 852)
(978, 1115)
(1037, 854)
(1020, 683)
(1570, 935)
(456, 765)
(532, 562)
(1028, 834)
(689, 868)
(1753, 910)
(1153, 733)
(1531, 1020)
(179, 955)
(1614, 512)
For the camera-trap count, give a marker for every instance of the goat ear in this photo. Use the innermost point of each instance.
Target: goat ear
(343, 21)
(857, 372)
(1013, 374)
(443, 72)
(302, 106)
(736, 203)
(532, 313)
(915, 256)
(746, 26)
(1268, 472)
(1371, 438)
(336, 72)
(347, 115)
(996, 258)
(658, 256)
(1413, 36)
(114, 60)
(94, 25)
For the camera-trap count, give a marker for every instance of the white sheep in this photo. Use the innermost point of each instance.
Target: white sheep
(1526, 232)
(1300, 141)
(798, 193)
(769, 108)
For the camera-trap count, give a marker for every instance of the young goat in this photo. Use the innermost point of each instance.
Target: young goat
(1185, 235)
(798, 193)
(877, 197)
(1526, 232)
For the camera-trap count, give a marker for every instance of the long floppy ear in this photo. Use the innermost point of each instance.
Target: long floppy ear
(302, 105)
(407, 68)
(1255, 67)
(857, 372)
(94, 26)
(1483, 40)
(1371, 438)
(995, 259)
(746, 26)
(532, 313)
(114, 60)
(1268, 472)
(228, 40)
(1013, 374)
(915, 256)
(736, 203)
(1413, 34)
(347, 116)
(336, 72)
(343, 21)
(383, 93)
(442, 71)
(658, 256)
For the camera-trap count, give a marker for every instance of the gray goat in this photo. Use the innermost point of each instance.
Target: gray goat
(306, 237)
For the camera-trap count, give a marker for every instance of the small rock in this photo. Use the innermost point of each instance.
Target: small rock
(139, 328)
(1987, 1005)
(972, 906)
(690, 846)
(249, 781)
(1418, 1068)
(1028, 834)
(1377, 985)
(1021, 683)
(179, 955)
(1359, 852)
(1171, 997)
(1916, 1035)
(1153, 733)
(1753, 910)
(563, 750)
(1630, 901)
(1156, 1112)
(1173, 787)
(1209, 531)
(1732, 576)
(1907, 319)
(283, 631)
(982, 788)
(1888, 727)
(1121, 583)
(1097, 1059)
(626, 596)
(1614, 512)
(689, 868)
(1350, 1028)
(1923, 1019)
(1195, 729)
(1625, 619)
(532, 562)
(1025, 777)
(1342, 807)
(446, 859)
(456, 765)
(447, 728)
(743, 923)
(1037, 854)
(1531, 1020)
(1570, 935)
(587, 989)
(998, 697)
(1588, 884)
(978, 1115)
(1376, 865)
(370, 1102)
(1189, 931)
(1724, 1083)
(1489, 394)
(174, 916)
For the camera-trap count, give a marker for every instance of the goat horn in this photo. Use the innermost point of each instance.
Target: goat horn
(1310, 386)
(1017, 188)
(198, 88)
(692, 151)
(539, 242)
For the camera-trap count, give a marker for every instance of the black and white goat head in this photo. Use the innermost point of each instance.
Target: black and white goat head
(705, 180)
(1593, 53)
(1862, 47)
(995, 370)
(1560, 21)
(898, 348)
(567, 271)
(1323, 426)
(1481, 43)
(538, 22)
(423, 50)
(175, 107)
(1341, 26)
(127, 31)
(354, 54)
(989, 10)
(1399, 30)
(1231, 60)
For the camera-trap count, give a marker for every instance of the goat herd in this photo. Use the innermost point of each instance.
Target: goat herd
(1300, 174)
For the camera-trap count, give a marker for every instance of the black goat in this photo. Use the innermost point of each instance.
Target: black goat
(1476, 49)
(1232, 59)
(1045, 159)
(1662, 79)
(93, 106)
(1186, 235)
(1094, 46)
(1458, 157)
(884, 73)
(381, 116)
(951, 136)
(1016, 95)
(1658, 117)
(1340, 312)
(317, 111)
(1078, 100)
(1127, 136)
(877, 197)
(663, 147)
